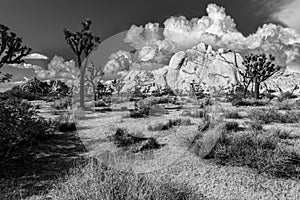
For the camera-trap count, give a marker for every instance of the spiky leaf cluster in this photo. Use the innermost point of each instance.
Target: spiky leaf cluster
(259, 67)
(11, 50)
(83, 41)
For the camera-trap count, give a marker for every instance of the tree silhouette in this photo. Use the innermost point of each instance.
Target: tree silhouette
(11, 50)
(82, 43)
(259, 68)
(95, 73)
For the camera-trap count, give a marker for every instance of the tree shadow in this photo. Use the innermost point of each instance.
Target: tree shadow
(51, 157)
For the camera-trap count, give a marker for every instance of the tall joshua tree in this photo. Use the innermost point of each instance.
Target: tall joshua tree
(11, 50)
(259, 68)
(82, 43)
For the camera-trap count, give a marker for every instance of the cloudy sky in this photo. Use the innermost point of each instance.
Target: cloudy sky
(41, 22)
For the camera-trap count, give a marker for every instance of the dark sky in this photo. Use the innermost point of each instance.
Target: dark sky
(41, 22)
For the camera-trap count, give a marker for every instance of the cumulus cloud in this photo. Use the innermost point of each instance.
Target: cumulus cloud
(60, 69)
(118, 61)
(289, 14)
(26, 66)
(139, 36)
(216, 29)
(36, 56)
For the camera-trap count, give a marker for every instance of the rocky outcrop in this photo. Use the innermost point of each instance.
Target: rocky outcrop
(201, 64)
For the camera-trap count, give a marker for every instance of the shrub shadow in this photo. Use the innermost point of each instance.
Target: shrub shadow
(49, 158)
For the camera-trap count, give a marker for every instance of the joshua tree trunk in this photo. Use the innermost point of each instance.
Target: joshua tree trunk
(256, 89)
(81, 84)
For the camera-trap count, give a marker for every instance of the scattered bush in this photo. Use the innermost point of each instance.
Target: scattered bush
(257, 151)
(19, 125)
(206, 102)
(97, 181)
(100, 103)
(133, 142)
(64, 123)
(233, 115)
(249, 102)
(195, 113)
(285, 105)
(255, 125)
(232, 126)
(169, 124)
(267, 116)
(62, 104)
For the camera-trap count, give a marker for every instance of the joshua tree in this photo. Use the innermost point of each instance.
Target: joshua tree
(93, 76)
(82, 43)
(118, 85)
(11, 50)
(258, 69)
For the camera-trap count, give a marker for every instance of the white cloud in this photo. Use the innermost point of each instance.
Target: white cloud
(60, 69)
(36, 56)
(26, 66)
(289, 14)
(118, 61)
(217, 29)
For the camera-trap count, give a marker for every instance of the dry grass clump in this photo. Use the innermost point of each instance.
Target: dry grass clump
(256, 150)
(64, 123)
(133, 142)
(254, 125)
(169, 124)
(249, 102)
(97, 181)
(62, 104)
(267, 116)
(234, 114)
(225, 144)
(194, 113)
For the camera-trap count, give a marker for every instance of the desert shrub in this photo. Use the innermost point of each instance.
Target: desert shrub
(169, 124)
(100, 103)
(249, 102)
(256, 150)
(255, 125)
(140, 111)
(195, 113)
(233, 115)
(285, 105)
(19, 125)
(267, 116)
(62, 104)
(206, 102)
(232, 126)
(17, 92)
(283, 134)
(64, 123)
(97, 181)
(133, 142)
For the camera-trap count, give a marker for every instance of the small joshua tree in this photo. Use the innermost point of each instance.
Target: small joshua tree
(259, 68)
(11, 50)
(118, 85)
(82, 43)
(93, 76)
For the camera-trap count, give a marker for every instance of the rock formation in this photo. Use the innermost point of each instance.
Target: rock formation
(217, 69)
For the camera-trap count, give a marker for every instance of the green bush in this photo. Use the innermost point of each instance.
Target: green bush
(249, 102)
(19, 125)
(267, 116)
(233, 115)
(169, 124)
(62, 104)
(258, 151)
(64, 124)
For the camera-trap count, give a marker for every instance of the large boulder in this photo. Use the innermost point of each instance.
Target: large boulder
(201, 64)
